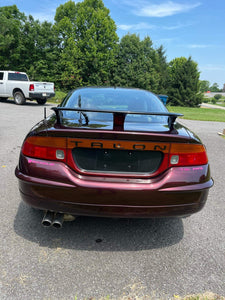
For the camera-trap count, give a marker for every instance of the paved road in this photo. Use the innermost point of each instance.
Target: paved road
(158, 257)
(207, 105)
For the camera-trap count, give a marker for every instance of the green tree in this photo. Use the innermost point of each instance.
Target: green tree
(65, 22)
(69, 73)
(97, 41)
(204, 86)
(136, 61)
(214, 88)
(88, 42)
(162, 70)
(11, 24)
(218, 96)
(46, 52)
(184, 82)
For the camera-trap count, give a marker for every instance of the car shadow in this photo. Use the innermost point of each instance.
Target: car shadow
(99, 234)
(27, 103)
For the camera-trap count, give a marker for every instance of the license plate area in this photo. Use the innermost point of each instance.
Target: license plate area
(113, 160)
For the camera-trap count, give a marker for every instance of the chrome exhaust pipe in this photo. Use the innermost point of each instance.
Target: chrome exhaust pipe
(48, 218)
(58, 220)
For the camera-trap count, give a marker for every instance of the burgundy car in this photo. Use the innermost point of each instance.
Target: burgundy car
(112, 152)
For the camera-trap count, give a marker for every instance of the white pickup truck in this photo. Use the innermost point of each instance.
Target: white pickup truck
(17, 85)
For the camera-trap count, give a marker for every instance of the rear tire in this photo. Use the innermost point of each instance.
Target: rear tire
(41, 101)
(19, 98)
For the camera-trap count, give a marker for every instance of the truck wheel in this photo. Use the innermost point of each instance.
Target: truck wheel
(19, 98)
(41, 101)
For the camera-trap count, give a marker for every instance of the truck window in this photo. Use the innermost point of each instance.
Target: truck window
(1, 75)
(17, 77)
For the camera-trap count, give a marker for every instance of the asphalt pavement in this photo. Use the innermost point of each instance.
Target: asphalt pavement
(100, 257)
(207, 105)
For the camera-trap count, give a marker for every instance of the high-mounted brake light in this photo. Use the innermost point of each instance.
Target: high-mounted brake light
(31, 88)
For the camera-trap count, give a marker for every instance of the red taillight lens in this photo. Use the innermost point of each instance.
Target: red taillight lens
(45, 148)
(31, 88)
(187, 155)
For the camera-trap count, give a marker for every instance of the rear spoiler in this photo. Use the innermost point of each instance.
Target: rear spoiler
(118, 116)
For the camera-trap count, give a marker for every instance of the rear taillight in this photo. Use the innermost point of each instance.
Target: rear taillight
(45, 148)
(31, 88)
(60, 149)
(187, 155)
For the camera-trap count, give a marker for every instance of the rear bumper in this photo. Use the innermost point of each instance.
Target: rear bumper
(43, 95)
(54, 186)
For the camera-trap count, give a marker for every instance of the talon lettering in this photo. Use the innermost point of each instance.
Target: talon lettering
(121, 145)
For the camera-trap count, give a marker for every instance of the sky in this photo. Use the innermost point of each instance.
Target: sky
(184, 27)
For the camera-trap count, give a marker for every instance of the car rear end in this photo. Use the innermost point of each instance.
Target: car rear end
(88, 162)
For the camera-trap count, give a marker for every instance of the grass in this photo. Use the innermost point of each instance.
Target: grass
(201, 114)
(59, 96)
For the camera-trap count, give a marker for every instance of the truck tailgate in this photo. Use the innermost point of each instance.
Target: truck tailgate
(43, 87)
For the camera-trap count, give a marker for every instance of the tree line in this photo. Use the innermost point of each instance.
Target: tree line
(205, 87)
(82, 48)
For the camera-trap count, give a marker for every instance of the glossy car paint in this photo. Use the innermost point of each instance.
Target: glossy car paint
(55, 186)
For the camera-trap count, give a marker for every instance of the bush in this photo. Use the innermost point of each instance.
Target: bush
(59, 96)
(213, 101)
(205, 100)
(218, 96)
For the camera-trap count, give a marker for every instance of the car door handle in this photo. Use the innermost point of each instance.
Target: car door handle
(1, 82)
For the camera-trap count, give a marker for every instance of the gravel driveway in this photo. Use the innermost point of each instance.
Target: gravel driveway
(155, 257)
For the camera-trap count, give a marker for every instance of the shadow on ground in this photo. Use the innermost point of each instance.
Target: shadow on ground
(99, 234)
(27, 103)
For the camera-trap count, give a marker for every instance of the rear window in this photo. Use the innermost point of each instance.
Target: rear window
(17, 77)
(112, 99)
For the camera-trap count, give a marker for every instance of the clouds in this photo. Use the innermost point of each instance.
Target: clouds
(164, 9)
(138, 26)
(198, 46)
(202, 46)
(211, 67)
(144, 26)
(143, 8)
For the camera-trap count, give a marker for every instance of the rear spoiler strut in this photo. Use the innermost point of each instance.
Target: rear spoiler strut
(118, 116)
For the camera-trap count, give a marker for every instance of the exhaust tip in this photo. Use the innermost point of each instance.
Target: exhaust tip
(57, 225)
(46, 223)
(58, 220)
(47, 219)
(55, 219)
